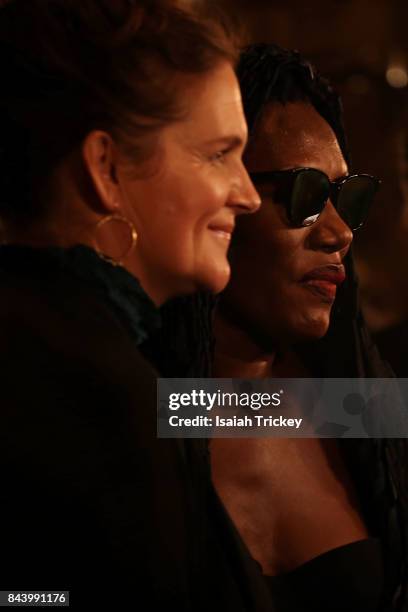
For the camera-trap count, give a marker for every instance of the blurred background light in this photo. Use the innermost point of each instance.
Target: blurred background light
(397, 76)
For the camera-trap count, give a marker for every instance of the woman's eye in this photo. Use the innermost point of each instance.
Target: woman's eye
(219, 156)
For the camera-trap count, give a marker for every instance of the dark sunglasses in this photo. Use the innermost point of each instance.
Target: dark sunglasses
(305, 192)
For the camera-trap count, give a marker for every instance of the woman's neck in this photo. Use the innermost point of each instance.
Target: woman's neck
(237, 354)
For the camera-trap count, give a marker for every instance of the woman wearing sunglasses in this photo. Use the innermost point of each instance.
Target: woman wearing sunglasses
(320, 518)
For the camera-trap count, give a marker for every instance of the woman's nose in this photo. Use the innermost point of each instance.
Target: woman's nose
(330, 233)
(244, 197)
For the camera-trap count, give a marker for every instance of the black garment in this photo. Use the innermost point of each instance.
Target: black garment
(348, 578)
(90, 500)
(377, 466)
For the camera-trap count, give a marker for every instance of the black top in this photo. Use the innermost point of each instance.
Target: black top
(90, 500)
(376, 465)
(348, 578)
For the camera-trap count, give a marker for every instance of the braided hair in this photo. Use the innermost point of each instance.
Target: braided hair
(267, 74)
(183, 346)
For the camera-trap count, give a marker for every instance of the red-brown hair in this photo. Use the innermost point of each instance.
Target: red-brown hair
(70, 66)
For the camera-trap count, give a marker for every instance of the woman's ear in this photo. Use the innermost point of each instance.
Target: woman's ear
(100, 156)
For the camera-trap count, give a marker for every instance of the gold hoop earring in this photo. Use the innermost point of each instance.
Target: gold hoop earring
(132, 234)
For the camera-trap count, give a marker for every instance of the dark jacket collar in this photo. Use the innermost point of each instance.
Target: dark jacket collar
(115, 284)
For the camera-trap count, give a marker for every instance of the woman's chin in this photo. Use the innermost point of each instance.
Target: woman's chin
(215, 278)
(313, 328)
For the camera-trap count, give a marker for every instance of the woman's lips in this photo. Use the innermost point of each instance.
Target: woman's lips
(224, 232)
(324, 281)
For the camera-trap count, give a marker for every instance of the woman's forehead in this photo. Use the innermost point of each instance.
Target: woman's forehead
(294, 135)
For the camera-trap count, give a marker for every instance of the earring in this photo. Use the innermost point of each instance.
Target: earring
(132, 235)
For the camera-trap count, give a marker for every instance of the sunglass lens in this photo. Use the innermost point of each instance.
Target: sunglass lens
(309, 195)
(355, 198)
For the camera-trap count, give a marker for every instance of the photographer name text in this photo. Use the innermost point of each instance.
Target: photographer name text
(235, 421)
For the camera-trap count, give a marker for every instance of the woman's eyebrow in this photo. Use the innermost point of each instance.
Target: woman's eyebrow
(232, 142)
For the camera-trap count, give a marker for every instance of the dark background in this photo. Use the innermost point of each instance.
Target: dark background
(362, 46)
